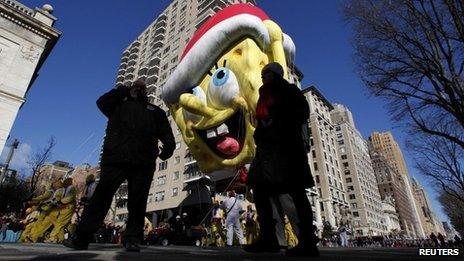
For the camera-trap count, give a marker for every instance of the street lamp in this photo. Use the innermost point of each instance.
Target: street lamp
(13, 147)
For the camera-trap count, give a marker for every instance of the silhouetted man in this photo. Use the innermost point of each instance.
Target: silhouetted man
(281, 165)
(129, 153)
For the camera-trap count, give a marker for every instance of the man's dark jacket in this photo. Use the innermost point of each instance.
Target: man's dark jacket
(281, 161)
(134, 129)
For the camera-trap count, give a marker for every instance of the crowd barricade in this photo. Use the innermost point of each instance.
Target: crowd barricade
(10, 236)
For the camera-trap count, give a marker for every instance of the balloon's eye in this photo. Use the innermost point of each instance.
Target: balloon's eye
(200, 95)
(222, 88)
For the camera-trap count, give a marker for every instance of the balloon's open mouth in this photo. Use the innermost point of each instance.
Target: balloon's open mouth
(227, 138)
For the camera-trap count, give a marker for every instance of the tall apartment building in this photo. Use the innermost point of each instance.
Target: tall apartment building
(153, 56)
(356, 166)
(332, 200)
(393, 177)
(27, 37)
(428, 218)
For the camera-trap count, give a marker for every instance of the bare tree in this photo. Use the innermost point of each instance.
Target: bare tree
(411, 52)
(36, 162)
(453, 209)
(441, 162)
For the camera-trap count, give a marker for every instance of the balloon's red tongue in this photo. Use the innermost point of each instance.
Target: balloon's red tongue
(228, 146)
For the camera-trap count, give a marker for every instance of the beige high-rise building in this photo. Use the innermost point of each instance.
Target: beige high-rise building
(27, 37)
(429, 219)
(385, 146)
(153, 56)
(361, 185)
(50, 172)
(332, 200)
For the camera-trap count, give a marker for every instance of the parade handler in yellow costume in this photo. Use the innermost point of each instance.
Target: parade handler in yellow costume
(213, 91)
(66, 207)
(36, 203)
(50, 211)
(28, 222)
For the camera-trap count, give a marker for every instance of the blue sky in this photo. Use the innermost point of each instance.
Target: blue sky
(84, 63)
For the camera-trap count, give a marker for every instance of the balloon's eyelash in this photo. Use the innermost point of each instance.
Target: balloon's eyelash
(217, 67)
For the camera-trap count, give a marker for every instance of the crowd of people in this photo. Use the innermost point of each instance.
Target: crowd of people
(392, 241)
(10, 228)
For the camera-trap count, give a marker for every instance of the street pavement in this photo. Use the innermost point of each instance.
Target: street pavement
(43, 251)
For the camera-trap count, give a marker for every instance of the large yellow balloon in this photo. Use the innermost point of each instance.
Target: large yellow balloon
(215, 114)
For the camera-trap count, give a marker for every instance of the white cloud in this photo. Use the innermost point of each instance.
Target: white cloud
(20, 157)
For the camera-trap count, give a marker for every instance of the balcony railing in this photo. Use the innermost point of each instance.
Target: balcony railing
(152, 79)
(210, 4)
(131, 63)
(133, 56)
(134, 50)
(143, 71)
(160, 23)
(162, 16)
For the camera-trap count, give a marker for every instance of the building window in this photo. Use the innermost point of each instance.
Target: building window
(352, 196)
(177, 145)
(163, 165)
(175, 192)
(356, 214)
(314, 154)
(317, 179)
(350, 188)
(349, 180)
(159, 196)
(344, 157)
(322, 206)
(175, 176)
(345, 164)
(161, 180)
(177, 159)
(315, 166)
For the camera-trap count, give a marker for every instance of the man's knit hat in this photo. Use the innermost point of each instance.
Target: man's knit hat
(275, 68)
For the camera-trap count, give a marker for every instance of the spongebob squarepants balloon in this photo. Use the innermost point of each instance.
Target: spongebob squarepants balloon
(213, 91)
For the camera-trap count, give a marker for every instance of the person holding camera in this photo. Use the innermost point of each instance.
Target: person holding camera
(129, 153)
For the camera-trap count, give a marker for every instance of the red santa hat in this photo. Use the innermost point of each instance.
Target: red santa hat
(212, 39)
